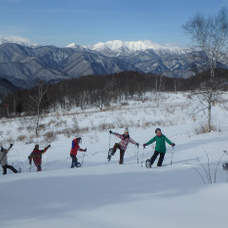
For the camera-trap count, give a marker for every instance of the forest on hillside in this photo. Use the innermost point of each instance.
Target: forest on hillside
(101, 91)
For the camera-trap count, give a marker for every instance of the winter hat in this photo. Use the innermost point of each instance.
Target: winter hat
(157, 129)
(37, 145)
(79, 139)
(126, 130)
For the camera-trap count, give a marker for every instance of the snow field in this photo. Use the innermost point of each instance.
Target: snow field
(102, 194)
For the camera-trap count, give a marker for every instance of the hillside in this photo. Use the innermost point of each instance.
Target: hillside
(25, 66)
(102, 194)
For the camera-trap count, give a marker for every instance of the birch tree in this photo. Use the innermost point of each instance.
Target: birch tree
(36, 99)
(210, 39)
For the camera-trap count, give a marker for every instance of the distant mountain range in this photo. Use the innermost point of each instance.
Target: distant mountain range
(16, 40)
(23, 64)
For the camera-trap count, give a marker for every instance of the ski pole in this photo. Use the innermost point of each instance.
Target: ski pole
(30, 166)
(137, 155)
(171, 162)
(142, 157)
(109, 141)
(83, 157)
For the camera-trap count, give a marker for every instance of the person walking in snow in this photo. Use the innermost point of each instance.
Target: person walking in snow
(122, 146)
(74, 151)
(3, 161)
(160, 148)
(36, 155)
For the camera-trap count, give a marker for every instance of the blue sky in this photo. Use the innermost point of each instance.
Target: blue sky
(86, 22)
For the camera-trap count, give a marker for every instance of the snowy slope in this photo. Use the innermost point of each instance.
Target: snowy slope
(102, 194)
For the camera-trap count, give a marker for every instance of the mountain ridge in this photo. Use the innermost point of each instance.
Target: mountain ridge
(24, 65)
(130, 46)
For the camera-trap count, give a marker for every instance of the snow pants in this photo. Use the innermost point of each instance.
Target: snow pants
(117, 146)
(37, 162)
(5, 167)
(74, 161)
(160, 160)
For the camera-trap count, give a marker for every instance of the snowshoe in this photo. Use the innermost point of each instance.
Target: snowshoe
(225, 166)
(78, 165)
(147, 163)
(110, 153)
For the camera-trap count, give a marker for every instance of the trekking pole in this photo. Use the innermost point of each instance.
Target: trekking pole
(171, 162)
(142, 157)
(109, 141)
(30, 166)
(83, 157)
(137, 155)
(110, 150)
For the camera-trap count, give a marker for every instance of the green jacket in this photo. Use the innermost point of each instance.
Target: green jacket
(160, 143)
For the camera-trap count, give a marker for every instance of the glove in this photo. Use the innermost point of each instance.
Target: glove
(173, 144)
(110, 132)
(137, 144)
(85, 150)
(48, 146)
(144, 145)
(11, 145)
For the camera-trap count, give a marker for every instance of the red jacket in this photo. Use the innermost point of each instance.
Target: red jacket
(75, 147)
(37, 156)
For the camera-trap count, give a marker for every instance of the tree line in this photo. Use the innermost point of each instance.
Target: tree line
(100, 91)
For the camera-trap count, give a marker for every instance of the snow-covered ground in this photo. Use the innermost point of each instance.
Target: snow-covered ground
(102, 194)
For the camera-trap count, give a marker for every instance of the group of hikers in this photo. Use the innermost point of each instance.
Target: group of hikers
(160, 148)
(36, 155)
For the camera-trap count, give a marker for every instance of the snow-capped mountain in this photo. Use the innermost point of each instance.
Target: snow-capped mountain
(22, 64)
(17, 40)
(132, 46)
(147, 56)
(119, 47)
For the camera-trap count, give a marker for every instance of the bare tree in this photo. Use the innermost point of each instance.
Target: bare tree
(83, 97)
(210, 39)
(36, 99)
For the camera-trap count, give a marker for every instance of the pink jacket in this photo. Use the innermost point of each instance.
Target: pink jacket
(125, 140)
